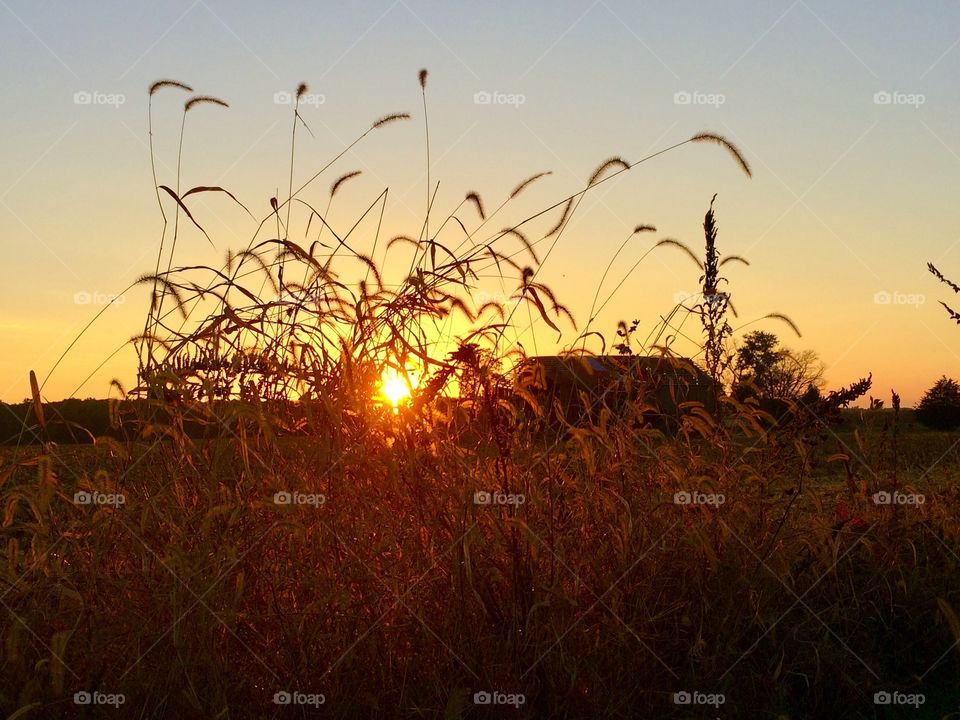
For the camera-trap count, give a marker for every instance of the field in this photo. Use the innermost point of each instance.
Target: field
(335, 491)
(389, 592)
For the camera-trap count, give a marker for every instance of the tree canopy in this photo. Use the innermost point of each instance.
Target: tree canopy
(767, 370)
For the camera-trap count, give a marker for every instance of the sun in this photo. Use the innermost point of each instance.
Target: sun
(395, 386)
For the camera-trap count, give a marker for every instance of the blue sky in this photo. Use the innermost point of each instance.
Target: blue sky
(847, 113)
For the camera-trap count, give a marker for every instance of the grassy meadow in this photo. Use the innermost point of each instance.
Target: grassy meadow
(305, 509)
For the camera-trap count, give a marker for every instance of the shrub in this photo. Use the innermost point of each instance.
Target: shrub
(940, 407)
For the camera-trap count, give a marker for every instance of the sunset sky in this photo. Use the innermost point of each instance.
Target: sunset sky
(847, 113)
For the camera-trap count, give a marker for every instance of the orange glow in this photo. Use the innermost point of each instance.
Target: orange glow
(396, 386)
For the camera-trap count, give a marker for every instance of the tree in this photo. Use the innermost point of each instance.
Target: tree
(795, 373)
(939, 408)
(767, 370)
(756, 358)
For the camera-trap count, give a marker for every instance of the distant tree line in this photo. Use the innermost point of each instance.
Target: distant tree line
(772, 375)
(776, 377)
(67, 421)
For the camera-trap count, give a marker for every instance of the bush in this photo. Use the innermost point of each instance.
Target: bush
(940, 407)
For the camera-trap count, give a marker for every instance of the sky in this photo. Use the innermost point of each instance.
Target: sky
(845, 111)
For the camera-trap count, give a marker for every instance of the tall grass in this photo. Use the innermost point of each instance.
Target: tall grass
(394, 590)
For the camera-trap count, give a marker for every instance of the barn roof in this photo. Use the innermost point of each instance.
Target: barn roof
(594, 370)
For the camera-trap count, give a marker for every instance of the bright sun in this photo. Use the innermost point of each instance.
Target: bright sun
(395, 386)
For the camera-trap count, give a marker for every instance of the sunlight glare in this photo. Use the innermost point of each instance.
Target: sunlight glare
(395, 386)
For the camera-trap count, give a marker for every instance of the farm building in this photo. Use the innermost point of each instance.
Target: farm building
(578, 387)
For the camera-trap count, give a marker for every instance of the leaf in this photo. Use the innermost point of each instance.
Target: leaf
(11, 510)
(237, 320)
(24, 710)
(776, 673)
(58, 648)
(532, 294)
(37, 403)
(951, 617)
(189, 215)
(216, 188)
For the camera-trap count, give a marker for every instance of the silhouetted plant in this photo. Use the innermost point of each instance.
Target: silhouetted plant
(713, 308)
(954, 315)
(939, 408)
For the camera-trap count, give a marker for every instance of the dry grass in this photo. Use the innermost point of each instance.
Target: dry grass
(399, 595)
